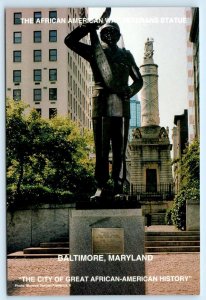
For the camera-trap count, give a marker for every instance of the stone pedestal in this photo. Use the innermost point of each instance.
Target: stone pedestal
(111, 244)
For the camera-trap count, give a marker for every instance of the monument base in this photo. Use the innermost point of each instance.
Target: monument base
(107, 252)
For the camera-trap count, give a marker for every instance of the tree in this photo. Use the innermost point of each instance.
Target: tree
(189, 185)
(51, 154)
(19, 147)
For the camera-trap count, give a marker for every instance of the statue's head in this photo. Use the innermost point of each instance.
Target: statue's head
(110, 33)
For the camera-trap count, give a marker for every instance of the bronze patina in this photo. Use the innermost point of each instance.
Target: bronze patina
(108, 240)
(111, 66)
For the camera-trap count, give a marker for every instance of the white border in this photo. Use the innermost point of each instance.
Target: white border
(95, 3)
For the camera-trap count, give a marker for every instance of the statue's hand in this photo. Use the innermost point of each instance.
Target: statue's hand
(95, 25)
(106, 13)
(91, 26)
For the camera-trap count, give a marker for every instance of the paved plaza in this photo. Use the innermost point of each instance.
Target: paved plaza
(185, 265)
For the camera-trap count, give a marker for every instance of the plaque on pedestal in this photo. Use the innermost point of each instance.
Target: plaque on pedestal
(108, 246)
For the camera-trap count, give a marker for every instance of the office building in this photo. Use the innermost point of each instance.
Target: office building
(40, 69)
(193, 71)
(135, 112)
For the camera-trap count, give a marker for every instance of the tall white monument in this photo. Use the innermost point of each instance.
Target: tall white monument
(149, 92)
(150, 169)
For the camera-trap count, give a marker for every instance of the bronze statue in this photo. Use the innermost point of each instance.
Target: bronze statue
(111, 67)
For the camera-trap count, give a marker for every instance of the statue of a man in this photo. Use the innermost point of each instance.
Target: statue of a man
(111, 67)
(148, 49)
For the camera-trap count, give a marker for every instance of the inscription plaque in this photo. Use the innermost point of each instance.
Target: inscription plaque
(108, 240)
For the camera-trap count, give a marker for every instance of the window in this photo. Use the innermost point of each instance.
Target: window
(52, 74)
(37, 75)
(17, 76)
(52, 54)
(37, 55)
(53, 15)
(37, 95)
(16, 56)
(17, 94)
(37, 36)
(37, 17)
(17, 38)
(17, 18)
(52, 35)
(52, 94)
(52, 113)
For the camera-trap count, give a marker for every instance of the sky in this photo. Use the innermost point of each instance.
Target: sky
(169, 51)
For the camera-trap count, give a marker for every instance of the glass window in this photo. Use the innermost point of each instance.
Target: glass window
(17, 94)
(17, 38)
(53, 15)
(17, 18)
(37, 55)
(37, 36)
(37, 17)
(37, 75)
(52, 54)
(52, 113)
(16, 56)
(17, 76)
(52, 74)
(52, 94)
(37, 94)
(52, 35)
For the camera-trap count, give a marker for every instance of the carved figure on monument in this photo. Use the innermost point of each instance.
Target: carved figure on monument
(136, 134)
(148, 49)
(111, 67)
(163, 133)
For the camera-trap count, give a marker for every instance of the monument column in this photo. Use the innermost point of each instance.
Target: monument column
(149, 92)
(150, 147)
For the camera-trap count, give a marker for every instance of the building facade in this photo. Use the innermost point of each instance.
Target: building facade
(194, 39)
(180, 142)
(192, 31)
(40, 69)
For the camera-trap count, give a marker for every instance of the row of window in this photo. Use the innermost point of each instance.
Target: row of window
(37, 75)
(37, 36)
(52, 112)
(37, 15)
(37, 94)
(37, 55)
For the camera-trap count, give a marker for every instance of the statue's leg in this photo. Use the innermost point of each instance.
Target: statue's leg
(102, 145)
(120, 129)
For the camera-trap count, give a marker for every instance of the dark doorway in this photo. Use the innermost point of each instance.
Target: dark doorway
(151, 180)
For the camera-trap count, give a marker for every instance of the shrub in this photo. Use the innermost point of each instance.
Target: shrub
(189, 185)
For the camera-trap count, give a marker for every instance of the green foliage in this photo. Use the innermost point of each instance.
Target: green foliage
(189, 188)
(48, 156)
(190, 165)
(179, 210)
(35, 195)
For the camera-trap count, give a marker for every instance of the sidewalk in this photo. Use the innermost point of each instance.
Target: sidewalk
(161, 265)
